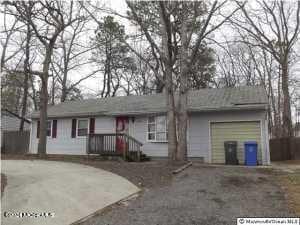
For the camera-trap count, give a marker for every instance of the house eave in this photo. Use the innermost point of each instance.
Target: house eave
(231, 108)
(156, 111)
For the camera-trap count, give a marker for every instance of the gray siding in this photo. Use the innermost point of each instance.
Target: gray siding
(140, 133)
(63, 143)
(198, 134)
(199, 130)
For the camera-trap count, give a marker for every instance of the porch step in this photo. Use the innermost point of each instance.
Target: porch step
(144, 157)
(132, 157)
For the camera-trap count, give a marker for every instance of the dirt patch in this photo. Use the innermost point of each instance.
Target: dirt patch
(242, 181)
(3, 183)
(145, 174)
(291, 185)
(219, 201)
(292, 162)
(236, 181)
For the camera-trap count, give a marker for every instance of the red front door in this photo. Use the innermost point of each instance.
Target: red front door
(122, 127)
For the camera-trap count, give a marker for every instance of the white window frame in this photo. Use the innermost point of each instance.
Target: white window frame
(155, 131)
(77, 126)
(51, 128)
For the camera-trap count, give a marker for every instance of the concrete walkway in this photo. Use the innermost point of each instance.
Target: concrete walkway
(66, 190)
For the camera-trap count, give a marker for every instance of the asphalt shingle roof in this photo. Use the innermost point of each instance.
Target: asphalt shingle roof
(246, 97)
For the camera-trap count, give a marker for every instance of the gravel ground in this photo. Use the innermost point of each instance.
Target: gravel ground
(201, 195)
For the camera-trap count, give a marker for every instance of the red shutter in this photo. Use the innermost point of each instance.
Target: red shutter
(54, 128)
(73, 133)
(38, 129)
(92, 125)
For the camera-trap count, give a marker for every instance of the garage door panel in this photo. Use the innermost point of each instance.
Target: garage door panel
(234, 131)
(225, 125)
(237, 137)
(237, 133)
(221, 141)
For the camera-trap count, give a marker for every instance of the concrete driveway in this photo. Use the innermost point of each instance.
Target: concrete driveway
(62, 192)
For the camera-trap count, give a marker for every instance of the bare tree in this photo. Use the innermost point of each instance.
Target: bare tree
(167, 57)
(240, 63)
(47, 19)
(181, 36)
(71, 54)
(189, 52)
(21, 49)
(274, 26)
(26, 76)
(8, 34)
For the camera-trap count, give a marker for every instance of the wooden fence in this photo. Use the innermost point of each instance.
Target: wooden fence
(285, 148)
(15, 142)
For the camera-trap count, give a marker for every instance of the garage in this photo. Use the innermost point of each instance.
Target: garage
(239, 131)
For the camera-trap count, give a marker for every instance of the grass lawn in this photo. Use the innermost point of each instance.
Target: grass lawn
(291, 184)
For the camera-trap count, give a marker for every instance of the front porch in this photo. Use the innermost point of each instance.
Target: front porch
(116, 144)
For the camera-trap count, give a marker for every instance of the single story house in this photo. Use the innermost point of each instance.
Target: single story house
(215, 115)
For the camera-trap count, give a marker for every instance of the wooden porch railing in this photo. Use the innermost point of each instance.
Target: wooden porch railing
(113, 144)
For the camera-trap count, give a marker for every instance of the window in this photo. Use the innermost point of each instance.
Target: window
(151, 128)
(157, 128)
(49, 126)
(82, 128)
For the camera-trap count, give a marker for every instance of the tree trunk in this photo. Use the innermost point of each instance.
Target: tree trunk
(109, 75)
(286, 114)
(44, 103)
(182, 124)
(103, 84)
(35, 104)
(171, 117)
(24, 101)
(43, 117)
(183, 94)
(159, 85)
(53, 91)
(276, 114)
(170, 103)
(279, 110)
(63, 94)
(26, 78)
(64, 89)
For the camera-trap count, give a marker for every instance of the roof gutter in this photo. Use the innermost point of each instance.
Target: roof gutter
(135, 113)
